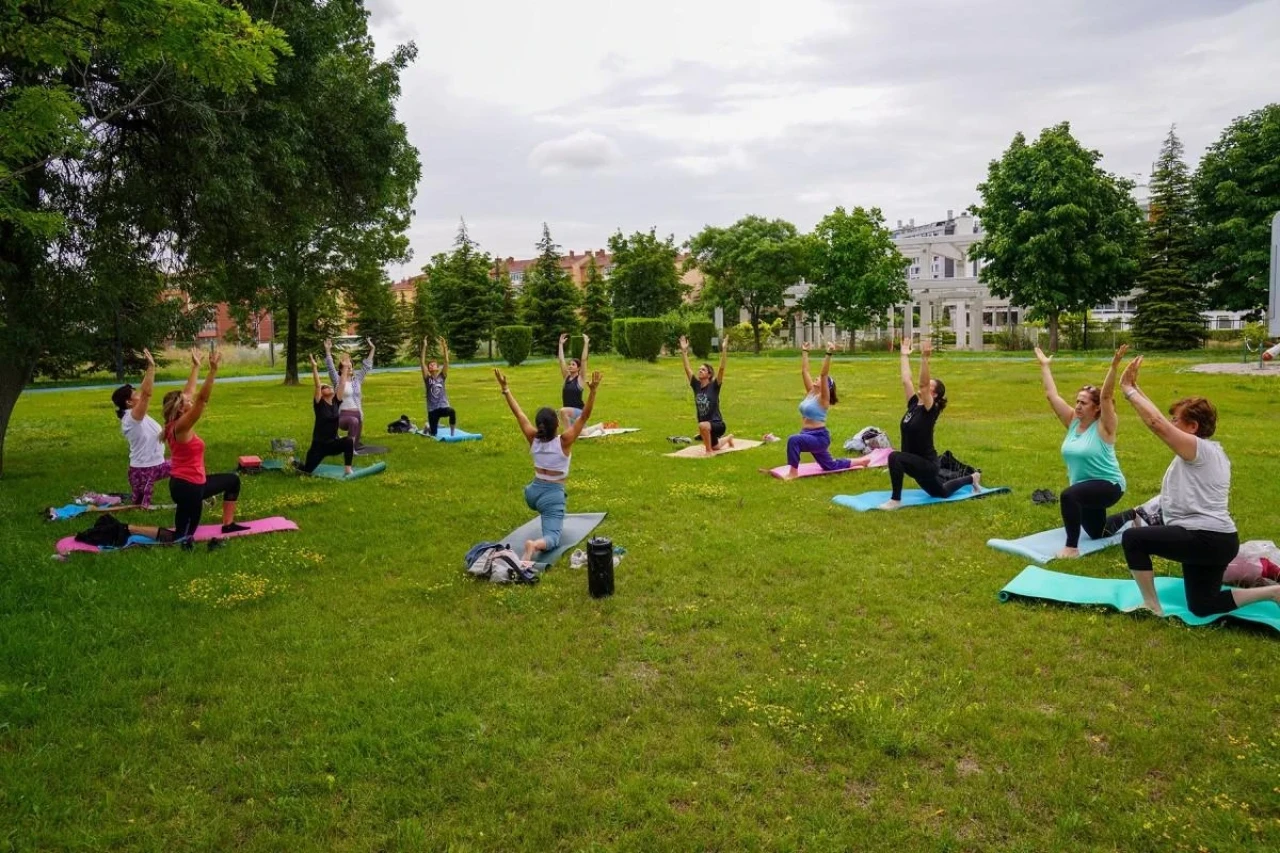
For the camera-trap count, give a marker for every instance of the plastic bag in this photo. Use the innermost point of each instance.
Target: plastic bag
(1256, 564)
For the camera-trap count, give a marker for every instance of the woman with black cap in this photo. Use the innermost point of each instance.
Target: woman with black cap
(147, 464)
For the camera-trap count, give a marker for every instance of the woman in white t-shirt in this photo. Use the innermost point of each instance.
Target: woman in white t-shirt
(147, 464)
(1198, 530)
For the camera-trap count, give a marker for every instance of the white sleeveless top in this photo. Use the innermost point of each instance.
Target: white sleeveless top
(550, 456)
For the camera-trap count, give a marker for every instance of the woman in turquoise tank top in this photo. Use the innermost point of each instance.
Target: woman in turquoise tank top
(1089, 449)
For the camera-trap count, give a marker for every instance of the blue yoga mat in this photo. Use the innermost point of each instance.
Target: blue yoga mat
(1044, 546)
(445, 434)
(336, 472)
(910, 497)
(1035, 582)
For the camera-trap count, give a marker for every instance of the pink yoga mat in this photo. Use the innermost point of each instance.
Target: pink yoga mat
(879, 459)
(204, 533)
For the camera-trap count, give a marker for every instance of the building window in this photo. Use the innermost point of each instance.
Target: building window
(1224, 322)
(517, 277)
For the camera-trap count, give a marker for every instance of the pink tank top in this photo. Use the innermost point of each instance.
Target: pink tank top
(187, 458)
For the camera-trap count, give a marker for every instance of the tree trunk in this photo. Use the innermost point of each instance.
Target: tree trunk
(291, 346)
(13, 377)
(754, 314)
(1053, 332)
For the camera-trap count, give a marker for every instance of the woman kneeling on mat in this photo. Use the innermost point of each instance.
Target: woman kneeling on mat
(1089, 449)
(706, 397)
(813, 437)
(1197, 530)
(352, 417)
(324, 435)
(918, 457)
(188, 484)
(572, 372)
(146, 450)
(551, 456)
(433, 379)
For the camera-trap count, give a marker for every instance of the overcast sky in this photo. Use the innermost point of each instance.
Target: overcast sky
(596, 116)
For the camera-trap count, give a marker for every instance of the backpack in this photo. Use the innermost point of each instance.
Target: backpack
(497, 563)
(868, 439)
(951, 468)
(400, 426)
(107, 532)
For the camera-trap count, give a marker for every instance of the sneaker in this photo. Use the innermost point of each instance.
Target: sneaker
(578, 559)
(769, 438)
(233, 528)
(215, 544)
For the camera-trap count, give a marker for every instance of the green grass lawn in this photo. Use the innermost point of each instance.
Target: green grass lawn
(774, 672)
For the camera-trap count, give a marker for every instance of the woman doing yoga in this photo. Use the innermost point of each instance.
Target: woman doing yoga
(327, 404)
(551, 457)
(1089, 449)
(434, 376)
(813, 437)
(351, 418)
(572, 371)
(706, 397)
(146, 449)
(918, 457)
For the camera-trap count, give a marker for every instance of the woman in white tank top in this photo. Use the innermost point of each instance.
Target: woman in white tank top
(551, 457)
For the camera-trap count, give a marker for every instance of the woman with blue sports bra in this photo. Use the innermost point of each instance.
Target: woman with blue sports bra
(813, 437)
(551, 457)
(1089, 450)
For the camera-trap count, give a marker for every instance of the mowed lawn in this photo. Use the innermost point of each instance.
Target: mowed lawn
(774, 672)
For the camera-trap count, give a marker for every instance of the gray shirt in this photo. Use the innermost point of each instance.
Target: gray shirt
(1194, 494)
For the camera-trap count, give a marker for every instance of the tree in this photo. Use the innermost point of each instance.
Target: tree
(461, 291)
(597, 314)
(550, 298)
(856, 272)
(1237, 192)
(751, 263)
(1061, 234)
(644, 277)
(424, 323)
(378, 318)
(77, 79)
(1168, 313)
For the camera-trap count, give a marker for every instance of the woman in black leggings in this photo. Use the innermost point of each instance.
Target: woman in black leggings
(327, 403)
(918, 457)
(1197, 532)
(188, 483)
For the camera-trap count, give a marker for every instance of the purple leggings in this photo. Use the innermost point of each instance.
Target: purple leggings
(816, 442)
(352, 421)
(143, 481)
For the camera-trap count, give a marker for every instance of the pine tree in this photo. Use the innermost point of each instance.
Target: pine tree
(509, 314)
(424, 324)
(460, 290)
(378, 318)
(550, 298)
(1168, 313)
(597, 308)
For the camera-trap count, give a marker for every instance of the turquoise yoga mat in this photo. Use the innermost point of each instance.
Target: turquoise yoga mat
(1035, 582)
(911, 497)
(1044, 546)
(577, 526)
(336, 472)
(451, 436)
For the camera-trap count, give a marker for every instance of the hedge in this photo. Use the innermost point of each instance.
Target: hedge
(514, 342)
(573, 347)
(644, 337)
(620, 337)
(700, 334)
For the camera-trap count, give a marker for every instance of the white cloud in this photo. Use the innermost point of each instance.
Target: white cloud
(710, 164)
(583, 151)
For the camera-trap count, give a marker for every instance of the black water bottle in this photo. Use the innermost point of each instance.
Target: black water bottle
(600, 567)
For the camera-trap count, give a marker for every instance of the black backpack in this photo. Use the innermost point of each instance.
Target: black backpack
(951, 468)
(401, 426)
(107, 532)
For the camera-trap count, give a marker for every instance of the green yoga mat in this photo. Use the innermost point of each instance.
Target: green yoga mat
(1035, 582)
(577, 526)
(336, 472)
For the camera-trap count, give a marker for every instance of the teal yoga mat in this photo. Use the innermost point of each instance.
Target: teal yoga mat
(1045, 545)
(910, 497)
(336, 472)
(450, 436)
(1035, 582)
(577, 526)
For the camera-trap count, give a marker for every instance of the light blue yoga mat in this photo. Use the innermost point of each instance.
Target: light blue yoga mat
(336, 472)
(577, 526)
(1044, 546)
(1035, 582)
(910, 497)
(445, 434)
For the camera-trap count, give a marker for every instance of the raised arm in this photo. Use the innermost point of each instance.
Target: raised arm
(904, 370)
(328, 362)
(367, 364)
(824, 388)
(182, 427)
(684, 358)
(586, 345)
(926, 388)
(1060, 407)
(444, 354)
(194, 375)
(564, 368)
(1181, 443)
(144, 393)
(530, 433)
(344, 375)
(804, 367)
(571, 434)
(315, 380)
(1107, 398)
(422, 356)
(724, 359)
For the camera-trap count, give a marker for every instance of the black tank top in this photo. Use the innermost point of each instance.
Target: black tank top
(572, 394)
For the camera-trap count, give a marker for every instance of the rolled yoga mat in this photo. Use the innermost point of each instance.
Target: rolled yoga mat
(204, 533)
(879, 459)
(911, 497)
(1045, 585)
(577, 526)
(1044, 546)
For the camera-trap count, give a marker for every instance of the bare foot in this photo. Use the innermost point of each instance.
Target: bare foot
(349, 469)
(1068, 553)
(977, 483)
(728, 439)
(1153, 607)
(792, 473)
(890, 505)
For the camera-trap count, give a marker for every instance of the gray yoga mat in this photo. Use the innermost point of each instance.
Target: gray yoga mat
(577, 527)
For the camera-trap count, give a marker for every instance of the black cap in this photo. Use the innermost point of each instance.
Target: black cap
(121, 396)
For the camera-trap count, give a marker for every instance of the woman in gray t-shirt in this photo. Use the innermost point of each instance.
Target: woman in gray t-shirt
(1197, 530)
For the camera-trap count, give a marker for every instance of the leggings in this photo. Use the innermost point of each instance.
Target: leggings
(352, 420)
(816, 442)
(549, 501)
(143, 481)
(434, 416)
(923, 471)
(1204, 555)
(1085, 505)
(319, 450)
(190, 499)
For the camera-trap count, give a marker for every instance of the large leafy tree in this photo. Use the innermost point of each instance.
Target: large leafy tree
(856, 272)
(550, 298)
(1168, 314)
(462, 294)
(750, 264)
(1237, 192)
(378, 317)
(644, 277)
(1061, 234)
(79, 266)
(597, 312)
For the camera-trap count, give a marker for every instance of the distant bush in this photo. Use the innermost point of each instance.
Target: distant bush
(644, 337)
(514, 342)
(700, 334)
(620, 336)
